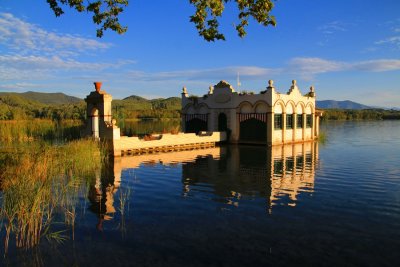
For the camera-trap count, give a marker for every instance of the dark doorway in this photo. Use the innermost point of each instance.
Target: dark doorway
(253, 130)
(222, 122)
(195, 126)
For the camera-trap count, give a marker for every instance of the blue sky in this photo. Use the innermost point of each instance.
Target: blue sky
(347, 49)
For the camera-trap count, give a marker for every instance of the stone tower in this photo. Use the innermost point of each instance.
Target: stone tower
(98, 112)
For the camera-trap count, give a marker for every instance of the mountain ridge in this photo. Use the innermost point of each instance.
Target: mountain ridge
(46, 98)
(345, 104)
(61, 98)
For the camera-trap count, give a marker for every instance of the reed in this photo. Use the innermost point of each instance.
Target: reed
(41, 182)
(39, 129)
(322, 138)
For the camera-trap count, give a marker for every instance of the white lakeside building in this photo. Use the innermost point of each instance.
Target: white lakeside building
(266, 118)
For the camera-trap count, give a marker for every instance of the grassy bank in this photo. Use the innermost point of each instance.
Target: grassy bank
(39, 129)
(41, 182)
(43, 175)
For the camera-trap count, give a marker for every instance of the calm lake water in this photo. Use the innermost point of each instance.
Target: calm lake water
(330, 204)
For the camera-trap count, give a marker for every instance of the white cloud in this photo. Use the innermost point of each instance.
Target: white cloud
(230, 72)
(378, 65)
(315, 65)
(54, 63)
(17, 86)
(17, 67)
(309, 67)
(306, 67)
(333, 27)
(25, 37)
(35, 53)
(329, 31)
(394, 40)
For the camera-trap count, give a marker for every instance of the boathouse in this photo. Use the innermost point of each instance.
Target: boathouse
(221, 115)
(266, 118)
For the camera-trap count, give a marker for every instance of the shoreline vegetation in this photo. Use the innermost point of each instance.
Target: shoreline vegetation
(27, 106)
(42, 180)
(362, 114)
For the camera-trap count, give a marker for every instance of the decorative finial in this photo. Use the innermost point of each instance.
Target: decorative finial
(294, 87)
(312, 91)
(184, 91)
(269, 87)
(210, 89)
(271, 83)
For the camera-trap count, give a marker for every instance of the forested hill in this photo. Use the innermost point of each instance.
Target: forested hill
(58, 106)
(46, 98)
(139, 107)
(61, 106)
(139, 102)
(347, 104)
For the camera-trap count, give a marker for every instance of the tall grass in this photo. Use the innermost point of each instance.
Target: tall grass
(322, 138)
(41, 182)
(39, 129)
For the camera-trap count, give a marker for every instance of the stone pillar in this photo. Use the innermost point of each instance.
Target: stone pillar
(234, 125)
(294, 119)
(271, 128)
(184, 95)
(183, 122)
(316, 134)
(283, 127)
(313, 125)
(211, 120)
(304, 125)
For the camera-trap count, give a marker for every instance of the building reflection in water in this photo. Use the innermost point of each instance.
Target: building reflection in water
(279, 174)
(231, 174)
(292, 171)
(102, 192)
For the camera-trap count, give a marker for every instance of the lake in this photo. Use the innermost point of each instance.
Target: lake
(335, 203)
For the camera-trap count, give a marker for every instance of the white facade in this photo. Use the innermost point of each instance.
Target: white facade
(268, 117)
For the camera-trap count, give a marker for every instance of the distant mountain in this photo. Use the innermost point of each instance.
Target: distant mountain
(134, 98)
(333, 104)
(135, 102)
(46, 98)
(51, 98)
(17, 100)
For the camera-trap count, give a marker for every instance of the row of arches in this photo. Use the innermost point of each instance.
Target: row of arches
(279, 107)
(251, 119)
(259, 107)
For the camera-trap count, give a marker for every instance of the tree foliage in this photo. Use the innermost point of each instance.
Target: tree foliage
(363, 114)
(206, 16)
(209, 11)
(105, 12)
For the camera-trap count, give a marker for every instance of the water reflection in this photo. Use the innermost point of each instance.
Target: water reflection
(278, 174)
(228, 175)
(293, 171)
(102, 192)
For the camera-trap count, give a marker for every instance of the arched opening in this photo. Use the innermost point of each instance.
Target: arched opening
(222, 122)
(95, 123)
(253, 130)
(196, 125)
